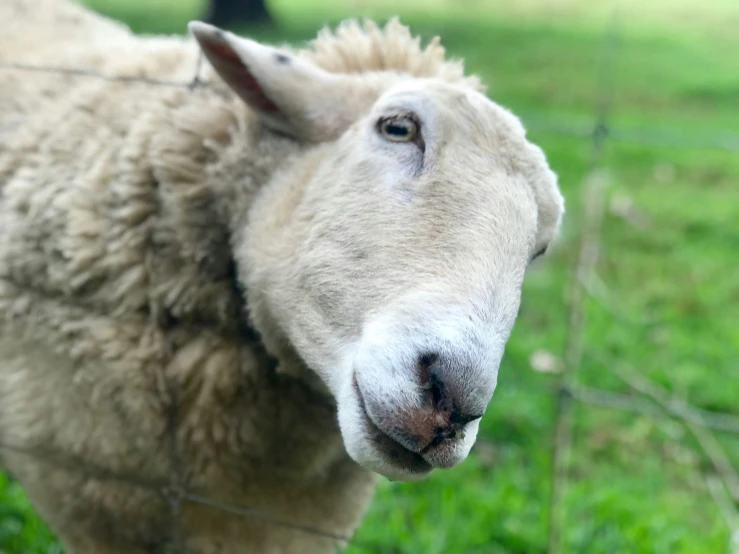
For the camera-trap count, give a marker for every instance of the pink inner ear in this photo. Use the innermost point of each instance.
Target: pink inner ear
(229, 66)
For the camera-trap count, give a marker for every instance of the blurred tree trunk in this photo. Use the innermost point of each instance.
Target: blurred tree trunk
(234, 12)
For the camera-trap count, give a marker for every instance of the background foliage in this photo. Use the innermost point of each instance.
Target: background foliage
(669, 278)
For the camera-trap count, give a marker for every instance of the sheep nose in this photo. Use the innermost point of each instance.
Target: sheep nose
(441, 416)
(436, 419)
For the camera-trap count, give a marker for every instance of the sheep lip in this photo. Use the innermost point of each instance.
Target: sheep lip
(394, 453)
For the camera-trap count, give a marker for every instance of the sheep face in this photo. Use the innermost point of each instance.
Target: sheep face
(389, 256)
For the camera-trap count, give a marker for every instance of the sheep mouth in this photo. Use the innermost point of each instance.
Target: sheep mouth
(393, 452)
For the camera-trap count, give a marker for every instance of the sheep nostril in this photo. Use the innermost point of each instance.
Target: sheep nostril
(432, 382)
(463, 419)
(425, 361)
(437, 394)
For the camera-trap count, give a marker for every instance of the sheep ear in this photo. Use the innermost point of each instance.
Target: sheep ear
(291, 95)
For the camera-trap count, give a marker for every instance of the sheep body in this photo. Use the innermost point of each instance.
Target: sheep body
(137, 219)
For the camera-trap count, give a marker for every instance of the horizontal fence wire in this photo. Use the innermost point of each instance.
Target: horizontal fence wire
(89, 73)
(646, 398)
(712, 139)
(643, 136)
(162, 488)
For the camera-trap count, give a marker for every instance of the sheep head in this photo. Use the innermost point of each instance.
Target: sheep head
(388, 257)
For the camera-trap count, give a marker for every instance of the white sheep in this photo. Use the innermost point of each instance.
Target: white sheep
(363, 201)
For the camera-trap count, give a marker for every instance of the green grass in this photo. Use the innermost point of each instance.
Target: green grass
(21, 531)
(636, 484)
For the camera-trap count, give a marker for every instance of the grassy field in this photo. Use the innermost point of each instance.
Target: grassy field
(668, 265)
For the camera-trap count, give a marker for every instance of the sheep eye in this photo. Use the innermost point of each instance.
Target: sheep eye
(539, 253)
(398, 129)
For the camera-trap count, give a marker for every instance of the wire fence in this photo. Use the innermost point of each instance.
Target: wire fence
(647, 398)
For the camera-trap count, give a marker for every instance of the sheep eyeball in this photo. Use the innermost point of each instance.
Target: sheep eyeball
(398, 129)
